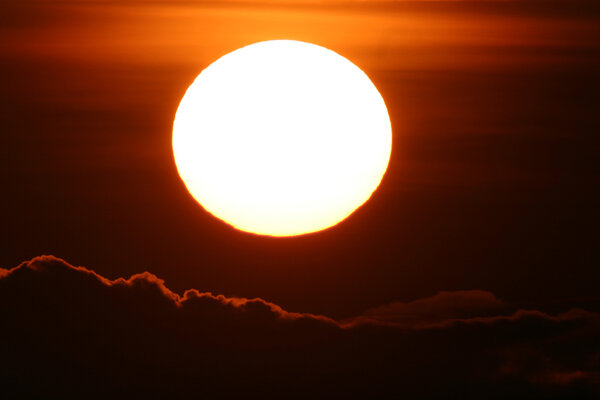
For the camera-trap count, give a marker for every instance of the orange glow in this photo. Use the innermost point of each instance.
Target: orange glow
(418, 36)
(282, 138)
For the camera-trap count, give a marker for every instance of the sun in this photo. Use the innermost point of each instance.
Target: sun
(282, 138)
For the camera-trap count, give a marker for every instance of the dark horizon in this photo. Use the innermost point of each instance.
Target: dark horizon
(97, 338)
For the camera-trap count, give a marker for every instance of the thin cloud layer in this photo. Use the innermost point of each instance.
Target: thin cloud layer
(69, 331)
(444, 306)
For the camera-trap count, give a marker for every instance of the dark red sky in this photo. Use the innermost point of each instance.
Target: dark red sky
(493, 182)
(491, 196)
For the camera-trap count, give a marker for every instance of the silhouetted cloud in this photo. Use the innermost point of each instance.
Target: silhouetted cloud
(69, 331)
(462, 304)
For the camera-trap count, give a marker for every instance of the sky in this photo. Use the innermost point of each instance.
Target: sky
(472, 269)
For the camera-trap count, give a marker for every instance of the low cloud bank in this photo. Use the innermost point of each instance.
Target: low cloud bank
(69, 331)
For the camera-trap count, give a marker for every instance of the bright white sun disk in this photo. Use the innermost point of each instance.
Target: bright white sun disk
(282, 138)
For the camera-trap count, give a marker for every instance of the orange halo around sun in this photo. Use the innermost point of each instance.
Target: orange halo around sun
(282, 138)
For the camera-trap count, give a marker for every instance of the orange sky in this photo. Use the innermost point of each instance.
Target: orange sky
(413, 36)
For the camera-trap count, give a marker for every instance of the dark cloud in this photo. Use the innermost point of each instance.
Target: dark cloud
(444, 306)
(69, 331)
